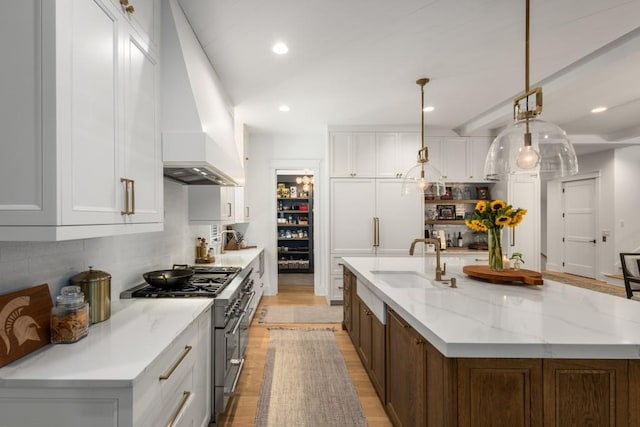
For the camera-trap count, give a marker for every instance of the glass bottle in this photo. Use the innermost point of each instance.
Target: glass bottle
(459, 239)
(70, 316)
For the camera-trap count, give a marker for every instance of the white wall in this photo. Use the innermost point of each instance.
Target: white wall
(263, 152)
(627, 200)
(126, 258)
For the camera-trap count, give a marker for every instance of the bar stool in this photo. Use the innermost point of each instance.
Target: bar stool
(631, 272)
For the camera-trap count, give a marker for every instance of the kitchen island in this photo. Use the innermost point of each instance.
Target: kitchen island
(485, 354)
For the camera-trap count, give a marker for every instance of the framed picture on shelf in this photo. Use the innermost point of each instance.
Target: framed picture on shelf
(446, 211)
(482, 193)
(292, 191)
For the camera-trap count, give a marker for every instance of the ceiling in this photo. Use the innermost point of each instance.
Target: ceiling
(356, 62)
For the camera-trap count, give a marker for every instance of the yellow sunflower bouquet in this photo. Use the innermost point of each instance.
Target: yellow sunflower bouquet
(492, 216)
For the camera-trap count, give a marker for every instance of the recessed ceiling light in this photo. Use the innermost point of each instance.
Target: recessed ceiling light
(599, 109)
(280, 48)
(429, 108)
(285, 108)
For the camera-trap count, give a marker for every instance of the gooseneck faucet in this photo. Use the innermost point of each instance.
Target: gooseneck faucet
(439, 272)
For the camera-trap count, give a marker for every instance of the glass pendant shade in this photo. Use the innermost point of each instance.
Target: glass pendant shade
(423, 179)
(550, 154)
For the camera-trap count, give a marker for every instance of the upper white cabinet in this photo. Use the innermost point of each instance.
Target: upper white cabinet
(352, 154)
(396, 153)
(83, 123)
(143, 16)
(241, 209)
(479, 147)
(212, 203)
(459, 159)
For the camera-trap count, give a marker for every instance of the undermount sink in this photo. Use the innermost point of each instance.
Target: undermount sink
(405, 279)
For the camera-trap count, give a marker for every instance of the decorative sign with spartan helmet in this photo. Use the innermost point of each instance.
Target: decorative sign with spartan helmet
(24, 322)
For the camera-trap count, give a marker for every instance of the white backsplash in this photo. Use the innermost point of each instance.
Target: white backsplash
(126, 258)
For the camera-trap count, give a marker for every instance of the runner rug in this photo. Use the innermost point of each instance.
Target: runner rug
(301, 314)
(306, 382)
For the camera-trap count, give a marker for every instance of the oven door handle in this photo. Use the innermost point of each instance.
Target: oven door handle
(237, 326)
(253, 294)
(239, 362)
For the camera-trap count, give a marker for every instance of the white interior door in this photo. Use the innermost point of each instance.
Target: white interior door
(579, 242)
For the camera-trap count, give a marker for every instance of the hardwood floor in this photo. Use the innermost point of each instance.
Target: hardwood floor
(242, 408)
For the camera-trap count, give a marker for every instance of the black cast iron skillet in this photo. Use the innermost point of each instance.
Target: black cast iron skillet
(169, 279)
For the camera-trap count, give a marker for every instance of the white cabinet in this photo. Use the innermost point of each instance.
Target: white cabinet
(352, 215)
(455, 159)
(352, 154)
(459, 159)
(479, 147)
(523, 191)
(211, 203)
(88, 161)
(174, 389)
(143, 16)
(241, 209)
(368, 217)
(396, 153)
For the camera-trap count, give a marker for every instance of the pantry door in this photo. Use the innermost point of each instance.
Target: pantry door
(579, 240)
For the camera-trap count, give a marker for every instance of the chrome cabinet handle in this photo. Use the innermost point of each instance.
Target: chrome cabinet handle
(187, 349)
(229, 205)
(181, 406)
(513, 236)
(246, 212)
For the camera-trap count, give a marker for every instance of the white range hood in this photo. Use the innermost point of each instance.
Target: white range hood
(198, 138)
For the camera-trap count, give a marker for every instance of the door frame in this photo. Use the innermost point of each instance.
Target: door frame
(320, 288)
(596, 213)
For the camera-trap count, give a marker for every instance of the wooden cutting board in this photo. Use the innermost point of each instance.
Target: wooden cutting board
(24, 322)
(528, 277)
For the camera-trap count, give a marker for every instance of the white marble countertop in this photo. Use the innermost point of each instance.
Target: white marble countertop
(115, 352)
(479, 319)
(241, 258)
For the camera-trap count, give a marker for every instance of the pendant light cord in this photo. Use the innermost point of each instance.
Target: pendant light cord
(527, 135)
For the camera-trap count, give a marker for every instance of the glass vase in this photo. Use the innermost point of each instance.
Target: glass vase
(495, 249)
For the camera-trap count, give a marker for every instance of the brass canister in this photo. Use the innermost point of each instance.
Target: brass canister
(96, 286)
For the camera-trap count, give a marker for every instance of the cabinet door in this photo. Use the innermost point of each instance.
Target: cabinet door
(586, 392)
(352, 213)
(523, 191)
(407, 152)
(23, 183)
(364, 335)
(479, 147)
(406, 374)
(227, 198)
(377, 359)
(90, 144)
(144, 19)
(340, 154)
(386, 148)
(501, 392)
(434, 145)
(142, 147)
(455, 159)
(400, 217)
(363, 154)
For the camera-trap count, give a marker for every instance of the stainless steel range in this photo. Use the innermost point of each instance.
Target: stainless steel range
(232, 290)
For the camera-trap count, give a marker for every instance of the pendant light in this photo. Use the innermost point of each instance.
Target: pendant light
(530, 145)
(423, 178)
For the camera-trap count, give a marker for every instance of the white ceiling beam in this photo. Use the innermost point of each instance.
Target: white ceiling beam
(596, 61)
